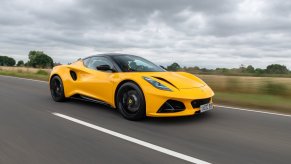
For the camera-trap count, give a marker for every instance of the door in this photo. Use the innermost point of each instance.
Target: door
(98, 84)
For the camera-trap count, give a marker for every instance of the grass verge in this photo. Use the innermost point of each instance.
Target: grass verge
(35, 76)
(272, 103)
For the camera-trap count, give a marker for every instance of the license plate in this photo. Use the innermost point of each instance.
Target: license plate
(206, 107)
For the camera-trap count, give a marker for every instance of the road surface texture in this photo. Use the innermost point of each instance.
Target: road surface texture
(31, 133)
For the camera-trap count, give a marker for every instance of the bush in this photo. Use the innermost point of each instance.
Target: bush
(42, 72)
(20, 63)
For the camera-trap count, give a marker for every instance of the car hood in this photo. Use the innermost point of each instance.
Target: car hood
(180, 80)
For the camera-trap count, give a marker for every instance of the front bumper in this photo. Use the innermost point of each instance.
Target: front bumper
(156, 98)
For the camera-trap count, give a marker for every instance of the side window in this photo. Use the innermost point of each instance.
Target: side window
(94, 62)
(86, 62)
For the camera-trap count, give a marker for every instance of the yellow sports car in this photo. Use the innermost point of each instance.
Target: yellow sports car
(134, 85)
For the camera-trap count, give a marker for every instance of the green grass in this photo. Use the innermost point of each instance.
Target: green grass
(36, 76)
(42, 72)
(261, 101)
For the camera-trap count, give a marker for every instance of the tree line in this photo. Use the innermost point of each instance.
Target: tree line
(270, 69)
(37, 59)
(7, 61)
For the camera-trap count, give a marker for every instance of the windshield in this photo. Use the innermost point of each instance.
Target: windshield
(128, 63)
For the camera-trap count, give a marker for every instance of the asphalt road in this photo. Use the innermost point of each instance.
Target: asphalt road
(30, 133)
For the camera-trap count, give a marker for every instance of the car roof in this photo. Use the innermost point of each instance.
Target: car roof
(109, 55)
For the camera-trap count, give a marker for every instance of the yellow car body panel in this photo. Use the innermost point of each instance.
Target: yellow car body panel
(102, 86)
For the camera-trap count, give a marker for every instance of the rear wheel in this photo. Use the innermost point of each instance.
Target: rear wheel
(57, 89)
(130, 101)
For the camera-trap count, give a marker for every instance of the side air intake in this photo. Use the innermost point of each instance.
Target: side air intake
(171, 106)
(73, 75)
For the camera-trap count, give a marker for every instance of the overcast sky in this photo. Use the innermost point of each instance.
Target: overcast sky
(205, 33)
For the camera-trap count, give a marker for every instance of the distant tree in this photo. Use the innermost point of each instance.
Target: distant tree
(11, 62)
(277, 69)
(27, 64)
(7, 61)
(2, 60)
(222, 70)
(242, 68)
(39, 59)
(204, 70)
(174, 67)
(56, 64)
(20, 63)
(196, 68)
(250, 69)
(259, 71)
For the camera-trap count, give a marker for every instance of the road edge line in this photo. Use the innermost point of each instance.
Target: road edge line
(253, 110)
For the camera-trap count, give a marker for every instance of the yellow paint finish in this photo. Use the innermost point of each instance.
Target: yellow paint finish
(103, 86)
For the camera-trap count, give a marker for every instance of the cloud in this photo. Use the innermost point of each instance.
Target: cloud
(205, 33)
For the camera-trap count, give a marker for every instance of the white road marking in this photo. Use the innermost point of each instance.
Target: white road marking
(134, 140)
(250, 110)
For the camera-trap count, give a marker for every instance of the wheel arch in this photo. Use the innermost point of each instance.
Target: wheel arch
(63, 81)
(120, 84)
(56, 74)
(53, 75)
(63, 88)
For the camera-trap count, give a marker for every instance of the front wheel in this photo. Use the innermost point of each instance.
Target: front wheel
(57, 89)
(130, 101)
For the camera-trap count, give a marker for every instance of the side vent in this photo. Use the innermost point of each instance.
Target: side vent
(73, 75)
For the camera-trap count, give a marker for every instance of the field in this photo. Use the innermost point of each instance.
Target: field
(269, 93)
(265, 93)
(31, 73)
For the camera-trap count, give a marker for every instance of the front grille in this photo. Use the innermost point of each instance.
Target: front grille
(198, 103)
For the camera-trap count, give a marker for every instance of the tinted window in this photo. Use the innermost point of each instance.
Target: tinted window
(94, 62)
(86, 61)
(128, 63)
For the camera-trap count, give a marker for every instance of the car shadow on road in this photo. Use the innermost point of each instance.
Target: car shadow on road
(104, 109)
(92, 106)
(197, 118)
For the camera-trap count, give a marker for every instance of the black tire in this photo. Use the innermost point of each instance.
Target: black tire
(57, 89)
(130, 101)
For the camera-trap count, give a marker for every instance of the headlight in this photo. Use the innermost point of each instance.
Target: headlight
(156, 84)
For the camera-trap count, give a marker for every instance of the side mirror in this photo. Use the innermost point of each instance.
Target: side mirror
(104, 68)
